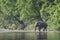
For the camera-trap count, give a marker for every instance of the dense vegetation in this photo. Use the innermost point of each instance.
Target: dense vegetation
(29, 11)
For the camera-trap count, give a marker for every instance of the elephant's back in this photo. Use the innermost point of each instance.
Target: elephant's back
(42, 24)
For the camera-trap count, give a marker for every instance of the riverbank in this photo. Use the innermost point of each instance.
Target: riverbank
(6, 30)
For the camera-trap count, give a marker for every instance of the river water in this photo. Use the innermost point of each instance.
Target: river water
(30, 36)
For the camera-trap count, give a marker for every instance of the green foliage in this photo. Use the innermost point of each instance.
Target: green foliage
(52, 14)
(30, 11)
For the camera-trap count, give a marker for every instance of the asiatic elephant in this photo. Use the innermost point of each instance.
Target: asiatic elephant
(41, 25)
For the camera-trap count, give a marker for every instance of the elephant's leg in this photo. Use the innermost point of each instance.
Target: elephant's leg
(39, 29)
(45, 29)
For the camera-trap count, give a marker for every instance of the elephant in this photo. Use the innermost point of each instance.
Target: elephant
(41, 25)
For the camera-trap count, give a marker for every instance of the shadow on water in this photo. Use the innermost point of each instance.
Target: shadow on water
(41, 36)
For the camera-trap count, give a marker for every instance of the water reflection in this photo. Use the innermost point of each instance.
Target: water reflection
(9, 36)
(41, 36)
(53, 35)
(30, 36)
(22, 36)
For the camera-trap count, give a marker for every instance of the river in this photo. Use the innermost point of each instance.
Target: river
(30, 36)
